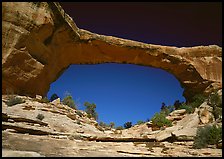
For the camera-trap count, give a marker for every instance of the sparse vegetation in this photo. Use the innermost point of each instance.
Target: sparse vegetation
(119, 128)
(166, 109)
(91, 110)
(40, 116)
(189, 109)
(44, 100)
(208, 135)
(127, 125)
(53, 97)
(112, 124)
(13, 100)
(105, 126)
(69, 101)
(79, 113)
(216, 102)
(140, 122)
(197, 101)
(159, 120)
(177, 104)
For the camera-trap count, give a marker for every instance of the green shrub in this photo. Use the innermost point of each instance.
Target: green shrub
(167, 109)
(208, 135)
(112, 124)
(44, 100)
(127, 125)
(215, 100)
(79, 113)
(197, 100)
(91, 110)
(119, 128)
(102, 124)
(159, 119)
(53, 97)
(140, 122)
(188, 108)
(40, 116)
(13, 100)
(217, 112)
(177, 104)
(69, 102)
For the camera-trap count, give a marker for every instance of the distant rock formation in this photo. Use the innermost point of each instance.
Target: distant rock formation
(39, 41)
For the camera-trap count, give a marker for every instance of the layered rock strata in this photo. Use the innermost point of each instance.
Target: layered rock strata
(39, 41)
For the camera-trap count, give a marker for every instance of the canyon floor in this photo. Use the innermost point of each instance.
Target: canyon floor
(66, 132)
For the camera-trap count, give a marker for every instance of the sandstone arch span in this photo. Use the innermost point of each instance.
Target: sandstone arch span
(39, 41)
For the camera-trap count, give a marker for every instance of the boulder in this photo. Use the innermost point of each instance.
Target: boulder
(189, 121)
(205, 113)
(14, 153)
(56, 101)
(178, 112)
(185, 134)
(164, 134)
(39, 97)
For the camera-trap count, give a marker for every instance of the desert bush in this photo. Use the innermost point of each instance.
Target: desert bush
(216, 102)
(112, 124)
(217, 112)
(127, 125)
(40, 116)
(13, 100)
(79, 113)
(91, 110)
(197, 100)
(140, 122)
(188, 108)
(53, 97)
(177, 104)
(102, 124)
(69, 101)
(119, 128)
(159, 119)
(44, 100)
(208, 135)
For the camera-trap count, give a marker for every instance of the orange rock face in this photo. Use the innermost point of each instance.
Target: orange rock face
(39, 41)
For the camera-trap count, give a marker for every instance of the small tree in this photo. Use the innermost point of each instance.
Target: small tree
(189, 109)
(90, 110)
(127, 125)
(208, 135)
(198, 99)
(163, 106)
(112, 124)
(53, 97)
(159, 119)
(177, 104)
(69, 102)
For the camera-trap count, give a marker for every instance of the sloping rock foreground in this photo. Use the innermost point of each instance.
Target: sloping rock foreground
(67, 132)
(40, 41)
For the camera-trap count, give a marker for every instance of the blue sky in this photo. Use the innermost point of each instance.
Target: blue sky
(121, 92)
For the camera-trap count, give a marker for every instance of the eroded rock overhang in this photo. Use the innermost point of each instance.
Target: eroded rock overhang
(39, 41)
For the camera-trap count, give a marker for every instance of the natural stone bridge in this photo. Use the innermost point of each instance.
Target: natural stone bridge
(39, 41)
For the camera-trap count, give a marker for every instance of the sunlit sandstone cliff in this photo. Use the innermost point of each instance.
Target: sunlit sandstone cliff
(39, 41)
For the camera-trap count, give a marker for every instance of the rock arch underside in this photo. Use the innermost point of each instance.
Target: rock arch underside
(39, 41)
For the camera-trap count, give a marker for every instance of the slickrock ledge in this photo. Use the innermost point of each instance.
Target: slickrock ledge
(40, 41)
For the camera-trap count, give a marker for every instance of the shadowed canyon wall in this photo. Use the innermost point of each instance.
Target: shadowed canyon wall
(39, 41)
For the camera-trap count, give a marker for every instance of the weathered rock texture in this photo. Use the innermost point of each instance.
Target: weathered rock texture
(40, 41)
(67, 132)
